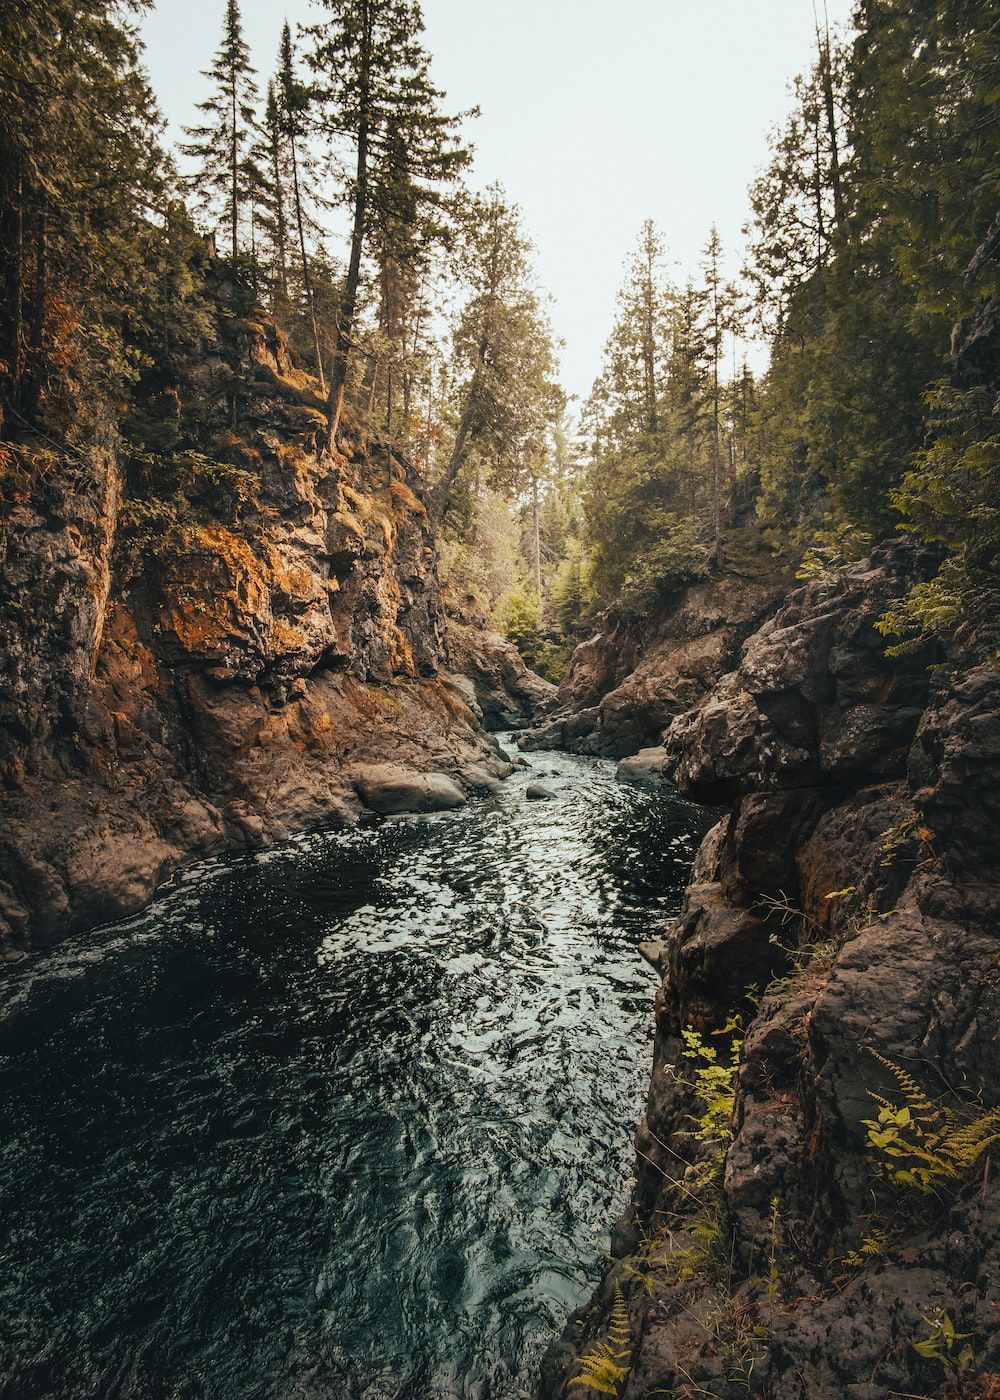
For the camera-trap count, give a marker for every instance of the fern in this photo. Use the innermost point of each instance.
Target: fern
(607, 1363)
(923, 1144)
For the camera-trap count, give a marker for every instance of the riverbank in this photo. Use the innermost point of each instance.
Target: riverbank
(207, 652)
(836, 958)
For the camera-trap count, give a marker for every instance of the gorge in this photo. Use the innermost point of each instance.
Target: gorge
(499, 894)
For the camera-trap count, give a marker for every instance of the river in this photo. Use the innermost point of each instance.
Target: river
(348, 1117)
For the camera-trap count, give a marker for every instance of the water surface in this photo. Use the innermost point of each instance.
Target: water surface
(350, 1117)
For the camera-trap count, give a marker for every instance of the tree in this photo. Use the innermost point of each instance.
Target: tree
(79, 167)
(645, 499)
(275, 198)
(223, 144)
(504, 360)
(380, 105)
(293, 106)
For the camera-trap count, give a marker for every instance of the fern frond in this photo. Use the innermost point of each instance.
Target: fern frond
(923, 1144)
(915, 1097)
(606, 1365)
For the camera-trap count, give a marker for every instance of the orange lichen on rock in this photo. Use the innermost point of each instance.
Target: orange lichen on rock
(216, 593)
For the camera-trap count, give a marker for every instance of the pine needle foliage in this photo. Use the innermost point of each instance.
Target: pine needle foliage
(607, 1363)
(921, 1143)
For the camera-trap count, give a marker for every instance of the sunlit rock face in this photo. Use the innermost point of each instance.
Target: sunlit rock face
(217, 660)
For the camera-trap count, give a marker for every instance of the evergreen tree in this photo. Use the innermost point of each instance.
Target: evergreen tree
(272, 163)
(79, 167)
(223, 144)
(646, 501)
(504, 361)
(294, 104)
(380, 104)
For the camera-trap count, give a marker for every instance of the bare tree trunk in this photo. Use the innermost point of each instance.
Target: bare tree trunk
(826, 77)
(306, 275)
(441, 492)
(349, 299)
(538, 538)
(233, 172)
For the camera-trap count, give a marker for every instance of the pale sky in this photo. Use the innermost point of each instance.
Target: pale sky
(596, 114)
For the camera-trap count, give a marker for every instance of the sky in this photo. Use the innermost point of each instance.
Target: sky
(595, 115)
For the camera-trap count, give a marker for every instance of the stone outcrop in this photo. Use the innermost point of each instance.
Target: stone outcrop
(624, 685)
(207, 649)
(841, 932)
(497, 683)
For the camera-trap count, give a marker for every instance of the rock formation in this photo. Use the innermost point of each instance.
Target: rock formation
(836, 955)
(204, 649)
(624, 685)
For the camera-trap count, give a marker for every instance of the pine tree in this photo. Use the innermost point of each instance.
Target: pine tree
(227, 173)
(721, 318)
(79, 167)
(275, 217)
(504, 361)
(649, 420)
(378, 98)
(294, 103)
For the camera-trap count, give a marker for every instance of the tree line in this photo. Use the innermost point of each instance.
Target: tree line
(872, 236)
(872, 268)
(104, 268)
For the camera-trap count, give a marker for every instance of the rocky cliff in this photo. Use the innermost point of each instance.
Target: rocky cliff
(623, 685)
(816, 1213)
(207, 645)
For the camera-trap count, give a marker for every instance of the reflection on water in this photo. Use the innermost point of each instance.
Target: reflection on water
(349, 1117)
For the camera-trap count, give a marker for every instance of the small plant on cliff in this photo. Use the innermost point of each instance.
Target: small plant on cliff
(941, 1344)
(921, 1143)
(607, 1363)
(715, 1085)
(832, 552)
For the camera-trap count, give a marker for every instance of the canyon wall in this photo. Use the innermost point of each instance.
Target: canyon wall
(210, 646)
(837, 955)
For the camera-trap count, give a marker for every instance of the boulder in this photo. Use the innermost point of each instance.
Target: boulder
(390, 790)
(647, 768)
(538, 792)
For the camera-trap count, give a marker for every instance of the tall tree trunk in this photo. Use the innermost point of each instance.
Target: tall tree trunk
(279, 219)
(537, 539)
(826, 77)
(349, 299)
(442, 491)
(234, 192)
(306, 274)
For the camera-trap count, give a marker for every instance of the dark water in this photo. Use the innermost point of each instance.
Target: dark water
(351, 1117)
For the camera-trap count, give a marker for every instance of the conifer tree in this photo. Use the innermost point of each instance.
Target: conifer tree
(719, 314)
(272, 164)
(646, 490)
(504, 360)
(377, 99)
(294, 104)
(223, 144)
(79, 166)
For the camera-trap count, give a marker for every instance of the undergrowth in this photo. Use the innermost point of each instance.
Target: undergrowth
(921, 1143)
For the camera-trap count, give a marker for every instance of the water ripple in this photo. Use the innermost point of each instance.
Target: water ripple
(349, 1117)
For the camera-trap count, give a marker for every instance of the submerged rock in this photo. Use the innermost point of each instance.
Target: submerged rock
(538, 792)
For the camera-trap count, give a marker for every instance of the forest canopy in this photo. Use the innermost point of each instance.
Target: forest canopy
(871, 267)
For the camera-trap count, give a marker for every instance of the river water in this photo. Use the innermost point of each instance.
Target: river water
(350, 1117)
